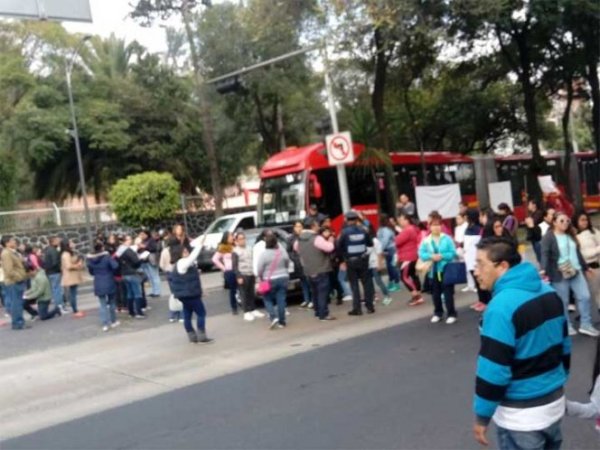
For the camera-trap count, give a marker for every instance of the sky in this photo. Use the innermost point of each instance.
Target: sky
(110, 16)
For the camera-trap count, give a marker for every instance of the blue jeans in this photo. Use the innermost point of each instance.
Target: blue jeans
(582, 296)
(393, 274)
(305, 285)
(231, 285)
(4, 296)
(277, 295)
(43, 310)
(343, 280)
(547, 439)
(14, 295)
(57, 292)
(133, 288)
(193, 305)
(154, 278)
(537, 249)
(108, 313)
(379, 282)
(320, 293)
(71, 292)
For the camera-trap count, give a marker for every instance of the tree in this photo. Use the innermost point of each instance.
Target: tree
(146, 10)
(145, 199)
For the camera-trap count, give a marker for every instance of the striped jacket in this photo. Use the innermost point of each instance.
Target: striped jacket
(525, 348)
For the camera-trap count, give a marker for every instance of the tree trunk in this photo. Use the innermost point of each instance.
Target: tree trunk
(205, 115)
(537, 162)
(280, 131)
(592, 76)
(570, 170)
(378, 96)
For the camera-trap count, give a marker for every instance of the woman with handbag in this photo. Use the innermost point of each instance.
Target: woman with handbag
(223, 259)
(589, 243)
(564, 266)
(438, 249)
(273, 272)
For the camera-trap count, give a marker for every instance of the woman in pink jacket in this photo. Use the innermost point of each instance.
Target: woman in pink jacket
(223, 259)
(407, 246)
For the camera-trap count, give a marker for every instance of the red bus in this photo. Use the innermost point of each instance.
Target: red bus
(298, 176)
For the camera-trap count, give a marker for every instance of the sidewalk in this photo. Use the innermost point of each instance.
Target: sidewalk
(46, 388)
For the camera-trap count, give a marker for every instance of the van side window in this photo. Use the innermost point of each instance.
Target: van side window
(246, 223)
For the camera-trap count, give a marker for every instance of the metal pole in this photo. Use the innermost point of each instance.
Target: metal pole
(79, 161)
(340, 168)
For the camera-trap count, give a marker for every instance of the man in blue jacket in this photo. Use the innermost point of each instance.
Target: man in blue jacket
(525, 351)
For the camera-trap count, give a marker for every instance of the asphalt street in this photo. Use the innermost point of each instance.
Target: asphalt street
(407, 386)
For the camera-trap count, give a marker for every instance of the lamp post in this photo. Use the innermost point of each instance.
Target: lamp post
(69, 69)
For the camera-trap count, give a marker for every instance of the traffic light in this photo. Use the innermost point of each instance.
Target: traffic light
(233, 84)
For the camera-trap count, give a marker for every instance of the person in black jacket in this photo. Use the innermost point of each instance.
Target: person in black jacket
(103, 267)
(51, 264)
(534, 232)
(187, 288)
(130, 263)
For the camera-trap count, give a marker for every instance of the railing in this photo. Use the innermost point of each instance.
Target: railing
(33, 219)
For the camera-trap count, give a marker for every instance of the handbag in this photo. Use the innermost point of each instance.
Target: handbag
(264, 286)
(454, 273)
(423, 266)
(567, 270)
(174, 304)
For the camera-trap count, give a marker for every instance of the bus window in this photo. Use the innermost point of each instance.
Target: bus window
(589, 173)
(407, 177)
(329, 202)
(515, 173)
(465, 176)
(282, 198)
(361, 186)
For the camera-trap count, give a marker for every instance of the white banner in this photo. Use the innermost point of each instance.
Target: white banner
(443, 199)
(500, 192)
(547, 184)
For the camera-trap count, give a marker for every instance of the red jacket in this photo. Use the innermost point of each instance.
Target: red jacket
(407, 243)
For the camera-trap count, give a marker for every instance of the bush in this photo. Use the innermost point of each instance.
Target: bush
(145, 199)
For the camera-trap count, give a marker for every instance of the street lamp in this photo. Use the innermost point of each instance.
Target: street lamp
(69, 69)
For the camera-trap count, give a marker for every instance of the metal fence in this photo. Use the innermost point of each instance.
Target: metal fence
(34, 219)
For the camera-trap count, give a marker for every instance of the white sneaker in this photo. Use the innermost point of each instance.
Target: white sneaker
(572, 330)
(571, 308)
(274, 323)
(287, 313)
(589, 331)
(64, 310)
(310, 305)
(172, 320)
(249, 317)
(256, 313)
(105, 328)
(347, 298)
(465, 289)
(436, 319)
(450, 320)
(115, 324)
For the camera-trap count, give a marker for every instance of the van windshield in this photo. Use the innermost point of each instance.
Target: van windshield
(221, 226)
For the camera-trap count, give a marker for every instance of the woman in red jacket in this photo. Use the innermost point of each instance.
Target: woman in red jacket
(407, 246)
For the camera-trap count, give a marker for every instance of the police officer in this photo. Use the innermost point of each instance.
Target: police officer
(353, 245)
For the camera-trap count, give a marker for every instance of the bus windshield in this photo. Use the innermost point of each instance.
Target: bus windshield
(281, 199)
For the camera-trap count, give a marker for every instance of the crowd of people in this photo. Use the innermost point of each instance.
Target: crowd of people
(478, 248)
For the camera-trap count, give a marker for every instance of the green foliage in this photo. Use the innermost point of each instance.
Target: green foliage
(145, 199)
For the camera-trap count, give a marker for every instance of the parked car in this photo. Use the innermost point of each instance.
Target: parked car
(252, 235)
(211, 238)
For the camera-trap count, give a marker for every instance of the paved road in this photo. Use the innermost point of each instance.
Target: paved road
(406, 386)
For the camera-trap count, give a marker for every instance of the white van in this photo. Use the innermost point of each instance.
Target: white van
(214, 233)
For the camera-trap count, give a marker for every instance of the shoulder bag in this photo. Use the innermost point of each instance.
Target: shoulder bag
(264, 286)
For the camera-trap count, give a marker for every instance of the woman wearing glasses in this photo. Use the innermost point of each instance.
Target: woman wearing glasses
(565, 267)
(589, 243)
